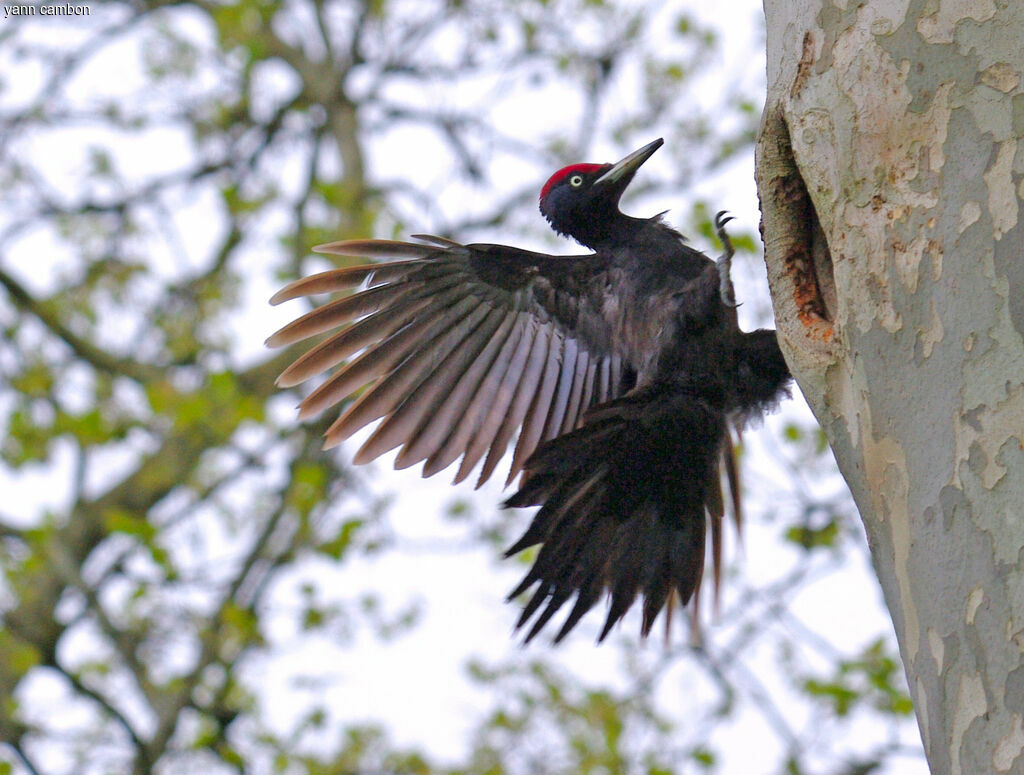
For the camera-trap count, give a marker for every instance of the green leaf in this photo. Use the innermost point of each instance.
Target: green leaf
(814, 537)
(118, 520)
(337, 546)
(36, 380)
(704, 757)
(17, 655)
(458, 509)
(308, 488)
(25, 440)
(841, 697)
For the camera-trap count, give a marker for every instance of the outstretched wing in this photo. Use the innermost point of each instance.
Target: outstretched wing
(463, 345)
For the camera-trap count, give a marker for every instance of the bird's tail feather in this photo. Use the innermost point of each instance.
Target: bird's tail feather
(624, 502)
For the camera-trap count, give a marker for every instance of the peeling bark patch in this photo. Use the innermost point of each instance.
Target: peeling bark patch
(893, 150)
(803, 68)
(1017, 639)
(907, 259)
(932, 335)
(1002, 198)
(1010, 747)
(921, 706)
(890, 139)
(935, 252)
(886, 470)
(970, 705)
(842, 387)
(940, 26)
(984, 431)
(936, 647)
(1015, 690)
(1017, 115)
(1001, 76)
(869, 292)
(969, 214)
(974, 601)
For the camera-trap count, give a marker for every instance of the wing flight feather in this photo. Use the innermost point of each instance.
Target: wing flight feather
(457, 347)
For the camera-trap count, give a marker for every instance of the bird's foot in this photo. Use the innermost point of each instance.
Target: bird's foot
(724, 261)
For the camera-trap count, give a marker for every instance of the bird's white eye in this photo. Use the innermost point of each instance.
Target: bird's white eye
(576, 181)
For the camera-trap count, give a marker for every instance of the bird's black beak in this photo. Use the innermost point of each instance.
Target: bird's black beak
(618, 177)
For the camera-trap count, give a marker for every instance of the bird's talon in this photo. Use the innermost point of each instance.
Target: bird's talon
(724, 262)
(721, 218)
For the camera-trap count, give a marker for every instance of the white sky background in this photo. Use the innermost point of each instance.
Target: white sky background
(416, 685)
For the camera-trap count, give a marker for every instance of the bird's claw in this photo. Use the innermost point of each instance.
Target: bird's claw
(724, 261)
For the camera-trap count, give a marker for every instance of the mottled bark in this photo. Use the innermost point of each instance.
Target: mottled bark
(891, 175)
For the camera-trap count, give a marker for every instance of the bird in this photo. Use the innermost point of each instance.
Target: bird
(622, 370)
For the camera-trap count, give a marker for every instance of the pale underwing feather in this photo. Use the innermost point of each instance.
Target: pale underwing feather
(526, 388)
(387, 394)
(442, 424)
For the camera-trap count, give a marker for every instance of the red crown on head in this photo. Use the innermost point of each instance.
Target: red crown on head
(563, 173)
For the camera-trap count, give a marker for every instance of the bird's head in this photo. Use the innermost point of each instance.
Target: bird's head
(582, 200)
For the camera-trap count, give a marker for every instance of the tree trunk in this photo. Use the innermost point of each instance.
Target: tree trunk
(891, 174)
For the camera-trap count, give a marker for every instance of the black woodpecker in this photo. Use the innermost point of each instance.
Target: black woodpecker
(622, 370)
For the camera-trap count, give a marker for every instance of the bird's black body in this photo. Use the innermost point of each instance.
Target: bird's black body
(622, 370)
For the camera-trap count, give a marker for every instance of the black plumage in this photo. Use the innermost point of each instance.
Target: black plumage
(622, 371)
